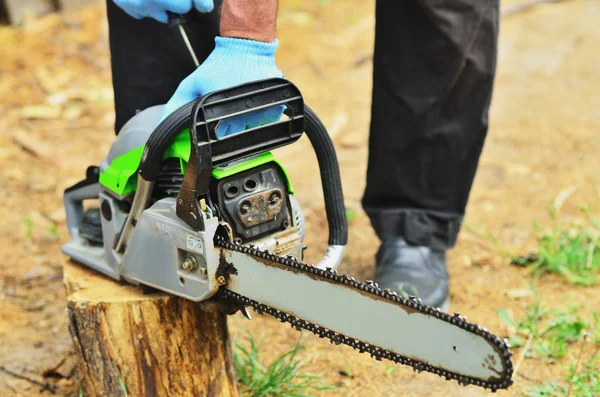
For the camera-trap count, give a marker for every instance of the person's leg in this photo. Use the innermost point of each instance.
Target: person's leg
(434, 69)
(149, 59)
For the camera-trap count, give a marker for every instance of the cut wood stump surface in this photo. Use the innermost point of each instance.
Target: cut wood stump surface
(128, 342)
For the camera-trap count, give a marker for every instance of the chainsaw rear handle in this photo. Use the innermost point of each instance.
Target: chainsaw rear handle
(73, 198)
(208, 150)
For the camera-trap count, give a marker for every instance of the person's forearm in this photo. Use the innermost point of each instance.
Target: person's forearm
(249, 19)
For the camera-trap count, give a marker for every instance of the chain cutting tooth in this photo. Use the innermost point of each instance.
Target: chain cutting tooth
(370, 287)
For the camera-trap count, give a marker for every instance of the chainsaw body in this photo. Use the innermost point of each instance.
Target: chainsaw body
(247, 198)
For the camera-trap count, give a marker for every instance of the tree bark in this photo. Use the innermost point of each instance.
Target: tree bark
(135, 344)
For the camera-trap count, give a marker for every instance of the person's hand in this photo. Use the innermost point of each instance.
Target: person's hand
(157, 9)
(232, 62)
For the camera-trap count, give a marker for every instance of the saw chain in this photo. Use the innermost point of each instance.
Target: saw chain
(414, 303)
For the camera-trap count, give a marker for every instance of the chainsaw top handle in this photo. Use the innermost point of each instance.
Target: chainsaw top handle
(209, 151)
(204, 115)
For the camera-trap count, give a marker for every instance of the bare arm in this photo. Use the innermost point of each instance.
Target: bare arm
(249, 19)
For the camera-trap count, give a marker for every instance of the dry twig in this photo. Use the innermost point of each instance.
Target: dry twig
(530, 379)
(34, 147)
(525, 6)
(46, 386)
(585, 339)
(525, 349)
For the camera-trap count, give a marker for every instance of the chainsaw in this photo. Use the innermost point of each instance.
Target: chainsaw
(185, 211)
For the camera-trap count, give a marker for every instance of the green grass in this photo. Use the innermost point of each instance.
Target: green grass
(546, 389)
(53, 230)
(570, 247)
(123, 388)
(350, 214)
(28, 227)
(552, 331)
(580, 382)
(555, 333)
(571, 250)
(280, 378)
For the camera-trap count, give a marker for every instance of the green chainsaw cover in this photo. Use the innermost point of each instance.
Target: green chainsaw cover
(120, 178)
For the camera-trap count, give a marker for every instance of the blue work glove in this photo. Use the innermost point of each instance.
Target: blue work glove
(157, 9)
(232, 62)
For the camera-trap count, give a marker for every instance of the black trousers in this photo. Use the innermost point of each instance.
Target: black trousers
(433, 73)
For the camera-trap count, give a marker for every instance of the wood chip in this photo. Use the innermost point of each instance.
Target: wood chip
(58, 215)
(46, 81)
(512, 10)
(518, 293)
(299, 18)
(57, 99)
(34, 146)
(72, 112)
(352, 140)
(99, 95)
(39, 219)
(41, 183)
(337, 124)
(41, 112)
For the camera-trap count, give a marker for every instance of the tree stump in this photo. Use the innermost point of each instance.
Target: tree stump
(131, 343)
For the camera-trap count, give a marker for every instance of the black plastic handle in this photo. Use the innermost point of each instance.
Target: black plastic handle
(161, 138)
(214, 108)
(330, 178)
(204, 115)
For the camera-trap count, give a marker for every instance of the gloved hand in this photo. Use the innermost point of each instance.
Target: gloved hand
(157, 9)
(232, 62)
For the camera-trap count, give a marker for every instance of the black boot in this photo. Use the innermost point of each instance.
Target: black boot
(413, 270)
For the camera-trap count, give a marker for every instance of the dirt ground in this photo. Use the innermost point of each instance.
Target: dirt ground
(56, 118)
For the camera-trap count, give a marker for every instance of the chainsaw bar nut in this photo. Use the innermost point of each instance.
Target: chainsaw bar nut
(189, 264)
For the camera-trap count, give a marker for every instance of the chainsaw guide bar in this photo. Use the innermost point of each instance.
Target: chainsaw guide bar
(410, 304)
